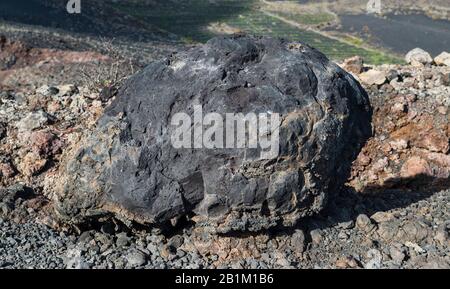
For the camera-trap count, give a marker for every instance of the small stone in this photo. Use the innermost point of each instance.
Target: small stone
(380, 217)
(74, 260)
(7, 170)
(298, 241)
(176, 241)
(167, 251)
(346, 262)
(136, 259)
(411, 98)
(4, 209)
(342, 235)
(32, 164)
(53, 106)
(399, 144)
(354, 64)
(415, 247)
(399, 107)
(92, 96)
(44, 143)
(181, 254)
(444, 78)
(122, 240)
(104, 239)
(373, 76)
(363, 222)
(47, 90)
(442, 59)
(441, 236)
(387, 87)
(442, 110)
(283, 261)
(316, 236)
(375, 258)
(397, 254)
(392, 75)
(85, 237)
(152, 248)
(32, 121)
(418, 57)
(67, 89)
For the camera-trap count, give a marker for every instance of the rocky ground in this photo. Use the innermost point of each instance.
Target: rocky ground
(393, 213)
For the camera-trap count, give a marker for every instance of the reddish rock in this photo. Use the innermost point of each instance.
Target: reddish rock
(380, 164)
(354, 64)
(45, 144)
(442, 110)
(415, 166)
(31, 164)
(435, 142)
(363, 159)
(399, 144)
(423, 135)
(400, 107)
(440, 162)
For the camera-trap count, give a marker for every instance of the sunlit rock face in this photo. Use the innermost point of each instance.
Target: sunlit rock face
(129, 166)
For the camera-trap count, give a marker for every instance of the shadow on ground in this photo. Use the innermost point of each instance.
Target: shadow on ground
(346, 205)
(394, 194)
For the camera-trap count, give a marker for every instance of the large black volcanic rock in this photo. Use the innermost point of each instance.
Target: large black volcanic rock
(129, 167)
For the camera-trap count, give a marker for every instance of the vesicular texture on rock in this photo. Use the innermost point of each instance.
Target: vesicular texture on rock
(128, 167)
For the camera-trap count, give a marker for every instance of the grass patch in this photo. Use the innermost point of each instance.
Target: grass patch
(262, 24)
(308, 18)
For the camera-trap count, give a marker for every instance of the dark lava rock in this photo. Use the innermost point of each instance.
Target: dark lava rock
(129, 167)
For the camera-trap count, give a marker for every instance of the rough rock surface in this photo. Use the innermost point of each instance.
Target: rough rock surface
(129, 167)
(409, 218)
(442, 59)
(410, 146)
(418, 57)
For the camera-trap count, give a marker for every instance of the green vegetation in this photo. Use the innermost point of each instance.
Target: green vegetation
(189, 20)
(355, 41)
(260, 23)
(307, 18)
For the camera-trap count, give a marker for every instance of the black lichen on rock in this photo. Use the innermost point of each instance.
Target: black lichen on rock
(129, 167)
